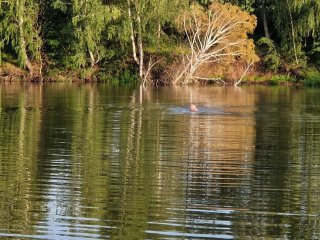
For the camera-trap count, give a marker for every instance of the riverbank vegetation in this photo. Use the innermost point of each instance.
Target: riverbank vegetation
(161, 41)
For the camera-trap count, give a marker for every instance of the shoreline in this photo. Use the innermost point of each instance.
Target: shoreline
(10, 73)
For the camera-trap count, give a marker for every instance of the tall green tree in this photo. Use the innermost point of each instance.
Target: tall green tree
(146, 19)
(89, 21)
(20, 30)
(295, 23)
(308, 19)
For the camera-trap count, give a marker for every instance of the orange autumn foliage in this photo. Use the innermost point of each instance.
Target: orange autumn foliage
(218, 39)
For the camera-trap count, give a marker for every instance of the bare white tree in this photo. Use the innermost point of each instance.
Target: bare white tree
(209, 42)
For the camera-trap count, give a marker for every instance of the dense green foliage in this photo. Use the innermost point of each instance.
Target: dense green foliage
(81, 34)
(270, 57)
(20, 29)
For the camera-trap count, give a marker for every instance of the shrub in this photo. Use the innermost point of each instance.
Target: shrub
(311, 78)
(279, 79)
(268, 53)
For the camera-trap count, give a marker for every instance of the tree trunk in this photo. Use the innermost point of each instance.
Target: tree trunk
(140, 45)
(92, 58)
(292, 33)
(133, 42)
(159, 31)
(182, 73)
(265, 21)
(23, 48)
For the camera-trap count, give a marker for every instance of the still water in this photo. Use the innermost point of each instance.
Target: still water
(101, 162)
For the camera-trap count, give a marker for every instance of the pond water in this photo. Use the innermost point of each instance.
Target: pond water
(99, 162)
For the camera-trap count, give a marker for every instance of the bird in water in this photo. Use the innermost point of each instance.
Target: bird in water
(193, 108)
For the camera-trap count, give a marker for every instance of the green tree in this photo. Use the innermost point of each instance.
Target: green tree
(89, 21)
(146, 18)
(19, 30)
(296, 22)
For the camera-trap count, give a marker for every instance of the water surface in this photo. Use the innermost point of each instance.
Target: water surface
(99, 162)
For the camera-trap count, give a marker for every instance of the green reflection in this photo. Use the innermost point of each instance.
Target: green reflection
(285, 198)
(94, 161)
(20, 137)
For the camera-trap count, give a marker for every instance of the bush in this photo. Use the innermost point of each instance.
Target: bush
(123, 76)
(311, 78)
(268, 53)
(279, 79)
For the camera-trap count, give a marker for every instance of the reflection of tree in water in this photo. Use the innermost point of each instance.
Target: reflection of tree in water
(144, 181)
(19, 139)
(285, 198)
(111, 162)
(214, 153)
(219, 163)
(60, 177)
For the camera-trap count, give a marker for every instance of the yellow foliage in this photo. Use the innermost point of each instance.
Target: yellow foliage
(247, 26)
(228, 13)
(219, 41)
